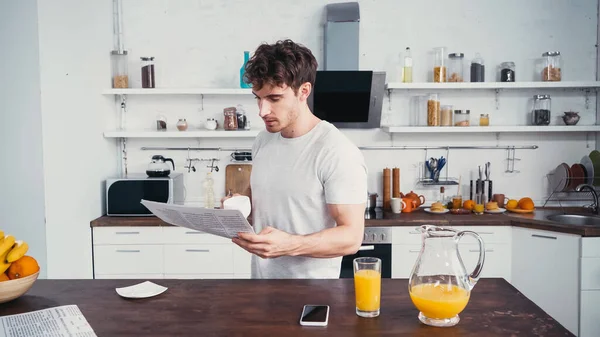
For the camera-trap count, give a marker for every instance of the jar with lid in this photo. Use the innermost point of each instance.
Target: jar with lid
(541, 110)
(211, 124)
(148, 80)
(433, 110)
(230, 121)
(484, 120)
(439, 64)
(462, 118)
(552, 66)
(241, 116)
(182, 124)
(455, 67)
(120, 75)
(477, 69)
(507, 72)
(446, 115)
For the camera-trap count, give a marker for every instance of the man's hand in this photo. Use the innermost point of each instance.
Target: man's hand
(269, 243)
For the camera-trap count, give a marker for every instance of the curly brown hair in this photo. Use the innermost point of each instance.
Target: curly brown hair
(284, 62)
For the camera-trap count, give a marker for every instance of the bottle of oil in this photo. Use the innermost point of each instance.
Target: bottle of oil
(408, 67)
(209, 194)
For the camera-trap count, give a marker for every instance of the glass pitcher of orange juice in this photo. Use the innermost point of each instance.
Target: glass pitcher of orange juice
(439, 285)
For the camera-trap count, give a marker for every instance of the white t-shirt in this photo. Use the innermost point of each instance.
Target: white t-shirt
(292, 181)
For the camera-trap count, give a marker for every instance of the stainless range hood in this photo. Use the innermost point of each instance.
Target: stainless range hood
(344, 95)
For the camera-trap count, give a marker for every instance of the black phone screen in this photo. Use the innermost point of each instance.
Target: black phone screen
(314, 313)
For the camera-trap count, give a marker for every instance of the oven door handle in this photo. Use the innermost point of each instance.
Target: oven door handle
(371, 247)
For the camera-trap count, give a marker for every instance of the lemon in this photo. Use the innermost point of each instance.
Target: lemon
(512, 204)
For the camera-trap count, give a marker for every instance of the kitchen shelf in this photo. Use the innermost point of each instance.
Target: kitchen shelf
(181, 134)
(491, 129)
(178, 91)
(493, 85)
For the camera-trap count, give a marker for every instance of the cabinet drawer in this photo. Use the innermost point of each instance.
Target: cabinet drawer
(199, 276)
(128, 259)
(406, 235)
(497, 259)
(590, 314)
(590, 273)
(489, 234)
(199, 259)
(179, 235)
(127, 235)
(403, 259)
(590, 247)
(130, 276)
(242, 261)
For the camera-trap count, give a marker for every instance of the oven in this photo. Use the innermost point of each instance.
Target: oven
(377, 242)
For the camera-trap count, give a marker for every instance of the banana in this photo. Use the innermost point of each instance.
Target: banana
(2, 234)
(18, 251)
(3, 264)
(6, 245)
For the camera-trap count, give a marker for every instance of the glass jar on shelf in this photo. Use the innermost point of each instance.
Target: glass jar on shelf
(230, 121)
(541, 110)
(182, 124)
(148, 79)
(462, 118)
(477, 69)
(507, 72)
(120, 75)
(446, 115)
(455, 67)
(439, 64)
(433, 110)
(552, 66)
(484, 120)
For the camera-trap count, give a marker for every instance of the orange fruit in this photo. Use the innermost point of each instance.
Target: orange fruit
(4, 277)
(526, 204)
(469, 204)
(23, 267)
(512, 204)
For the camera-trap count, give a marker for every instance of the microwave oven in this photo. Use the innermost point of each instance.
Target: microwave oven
(124, 194)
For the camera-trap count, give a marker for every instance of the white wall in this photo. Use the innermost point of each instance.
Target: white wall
(22, 189)
(75, 42)
(201, 44)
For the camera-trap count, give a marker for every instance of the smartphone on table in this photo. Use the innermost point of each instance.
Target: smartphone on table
(314, 315)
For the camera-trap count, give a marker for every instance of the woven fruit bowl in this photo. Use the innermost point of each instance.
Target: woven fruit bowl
(12, 289)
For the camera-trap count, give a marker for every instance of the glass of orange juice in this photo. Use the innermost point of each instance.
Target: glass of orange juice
(367, 286)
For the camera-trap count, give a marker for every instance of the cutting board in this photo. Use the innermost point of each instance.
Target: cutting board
(237, 179)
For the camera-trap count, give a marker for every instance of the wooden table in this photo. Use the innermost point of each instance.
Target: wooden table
(272, 308)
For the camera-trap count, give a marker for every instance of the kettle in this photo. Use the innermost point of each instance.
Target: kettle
(158, 167)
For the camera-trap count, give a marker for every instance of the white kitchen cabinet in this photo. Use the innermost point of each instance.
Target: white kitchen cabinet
(128, 259)
(590, 287)
(166, 252)
(545, 268)
(130, 276)
(406, 244)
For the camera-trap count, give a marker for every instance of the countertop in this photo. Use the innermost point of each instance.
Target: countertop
(535, 220)
(272, 308)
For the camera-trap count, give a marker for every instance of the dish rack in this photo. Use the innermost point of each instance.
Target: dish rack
(568, 195)
(424, 174)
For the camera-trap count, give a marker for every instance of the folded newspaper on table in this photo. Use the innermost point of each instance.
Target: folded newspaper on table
(222, 222)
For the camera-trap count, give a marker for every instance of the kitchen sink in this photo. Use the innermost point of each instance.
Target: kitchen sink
(573, 219)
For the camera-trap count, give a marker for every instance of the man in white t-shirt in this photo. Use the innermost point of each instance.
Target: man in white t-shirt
(309, 181)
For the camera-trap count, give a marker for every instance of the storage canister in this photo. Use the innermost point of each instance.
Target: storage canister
(433, 110)
(455, 67)
(462, 118)
(541, 110)
(446, 115)
(120, 76)
(439, 64)
(477, 69)
(507, 72)
(552, 66)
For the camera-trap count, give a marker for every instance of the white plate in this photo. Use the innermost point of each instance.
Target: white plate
(496, 211)
(589, 169)
(141, 290)
(428, 210)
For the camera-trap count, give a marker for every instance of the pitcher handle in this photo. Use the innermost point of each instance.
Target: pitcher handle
(474, 276)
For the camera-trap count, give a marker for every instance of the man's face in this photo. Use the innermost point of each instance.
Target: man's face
(279, 105)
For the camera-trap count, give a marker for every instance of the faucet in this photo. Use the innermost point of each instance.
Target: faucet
(595, 206)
